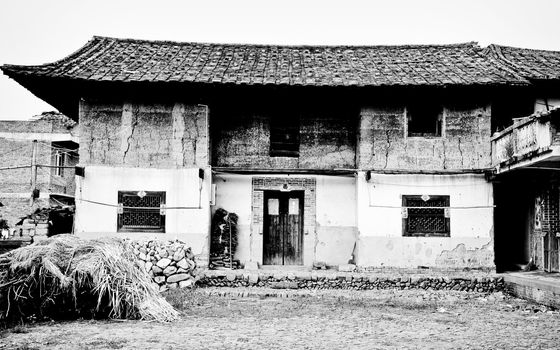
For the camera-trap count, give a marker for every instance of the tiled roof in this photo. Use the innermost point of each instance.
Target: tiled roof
(530, 64)
(127, 60)
(55, 116)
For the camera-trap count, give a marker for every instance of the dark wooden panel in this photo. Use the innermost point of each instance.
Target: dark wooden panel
(273, 245)
(283, 228)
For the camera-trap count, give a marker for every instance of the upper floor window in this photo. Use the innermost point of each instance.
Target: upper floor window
(284, 137)
(424, 119)
(59, 162)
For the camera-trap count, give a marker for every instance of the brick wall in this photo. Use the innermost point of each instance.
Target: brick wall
(16, 144)
(15, 184)
(242, 139)
(143, 135)
(464, 144)
(307, 185)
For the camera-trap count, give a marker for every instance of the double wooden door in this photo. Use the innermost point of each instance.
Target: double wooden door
(283, 228)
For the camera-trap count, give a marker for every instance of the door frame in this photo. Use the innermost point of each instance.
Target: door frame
(278, 183)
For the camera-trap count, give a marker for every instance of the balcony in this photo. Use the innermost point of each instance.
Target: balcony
(532, 141)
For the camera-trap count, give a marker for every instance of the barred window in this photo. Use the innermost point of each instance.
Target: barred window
(141, 211)
(425, 215)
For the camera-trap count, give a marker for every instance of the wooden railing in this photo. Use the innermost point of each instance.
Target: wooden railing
(526, 137)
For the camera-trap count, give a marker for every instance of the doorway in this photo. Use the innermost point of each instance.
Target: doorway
(283, 228)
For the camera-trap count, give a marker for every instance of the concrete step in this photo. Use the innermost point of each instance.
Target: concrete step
(537, 286)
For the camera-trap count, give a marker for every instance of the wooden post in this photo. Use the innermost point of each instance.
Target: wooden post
(33, 168)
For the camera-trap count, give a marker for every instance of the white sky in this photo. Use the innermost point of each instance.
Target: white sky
(41, 31)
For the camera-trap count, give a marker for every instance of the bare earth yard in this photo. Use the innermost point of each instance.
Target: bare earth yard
(337, 319)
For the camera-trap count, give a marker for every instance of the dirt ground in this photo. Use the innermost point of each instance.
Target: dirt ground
(383, 319)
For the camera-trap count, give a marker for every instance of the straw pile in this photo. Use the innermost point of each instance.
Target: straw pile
(67, 277)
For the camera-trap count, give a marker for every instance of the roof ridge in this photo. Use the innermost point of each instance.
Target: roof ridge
(522, 48)
(133, 40)
(498, 59)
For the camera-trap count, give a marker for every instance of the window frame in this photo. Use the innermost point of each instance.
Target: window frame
(121, 227)
(419, 109)
(59, 160)
(288, 127)
(444, 212)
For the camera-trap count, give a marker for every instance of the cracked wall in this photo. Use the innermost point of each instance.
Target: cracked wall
(380, 221)
(464, 144)
(143, 135)
(242, 139)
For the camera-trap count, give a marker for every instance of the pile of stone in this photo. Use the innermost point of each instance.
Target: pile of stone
(354, 282)
(170, 264)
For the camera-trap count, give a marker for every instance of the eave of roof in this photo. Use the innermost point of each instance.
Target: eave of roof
(129, 60)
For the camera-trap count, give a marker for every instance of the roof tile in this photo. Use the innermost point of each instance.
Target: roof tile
(127, 60)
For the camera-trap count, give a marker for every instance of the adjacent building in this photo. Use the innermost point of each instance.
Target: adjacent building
(37, 154)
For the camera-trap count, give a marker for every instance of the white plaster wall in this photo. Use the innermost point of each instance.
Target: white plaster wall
(182, 187)
(540, 103)
(381, 242)
(234, 194)
(335, 232)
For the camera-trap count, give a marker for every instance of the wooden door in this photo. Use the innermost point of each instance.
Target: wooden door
(283, 228)
(550, 243)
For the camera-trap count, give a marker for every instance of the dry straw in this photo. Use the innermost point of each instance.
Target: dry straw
(67, 277)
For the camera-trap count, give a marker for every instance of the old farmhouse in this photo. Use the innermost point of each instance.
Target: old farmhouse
(380, 155)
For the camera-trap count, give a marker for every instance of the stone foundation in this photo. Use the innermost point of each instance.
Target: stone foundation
(353, 281)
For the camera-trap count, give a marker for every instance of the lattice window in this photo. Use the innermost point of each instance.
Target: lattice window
(425, 215)
(141, 211)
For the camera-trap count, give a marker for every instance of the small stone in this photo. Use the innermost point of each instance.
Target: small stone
(169, 270)
(173, 285)
(189, 254)
(183, 264)
(163, 263)
(253, 278)
(230, 277)
(179, 254)
(142, 256)
(178, 277)
(148, 266)
(156, 270)
(163, 253)
(143, 250)
(159, 279)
